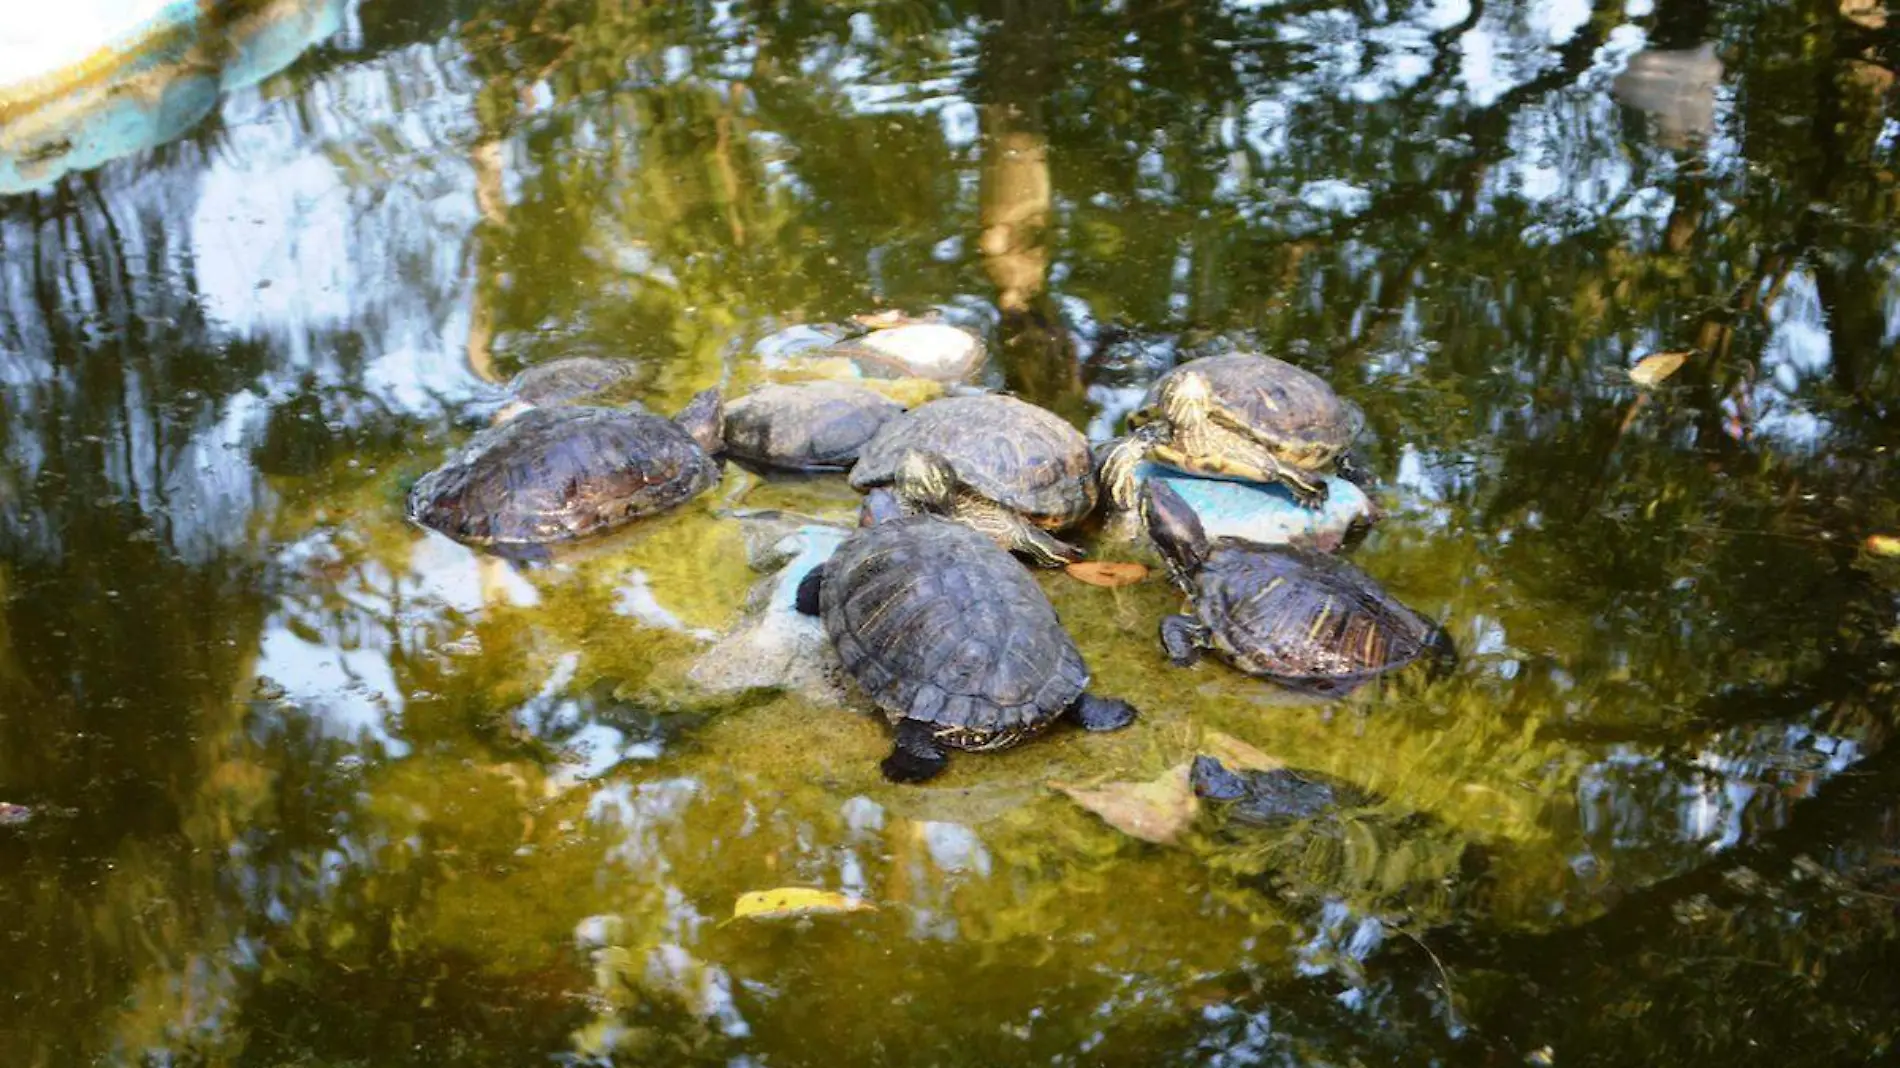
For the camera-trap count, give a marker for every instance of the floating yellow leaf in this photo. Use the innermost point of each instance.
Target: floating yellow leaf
(790, 901)
(1156, 811)
(1657, 366)
(1883, 544)
(1107, 573)
(1236, 754)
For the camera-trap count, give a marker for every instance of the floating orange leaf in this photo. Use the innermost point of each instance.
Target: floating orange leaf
(1237, 754)
(1883, 544)
(790, 901)
(1657, 366)
(1156, 811)
(1107, 573)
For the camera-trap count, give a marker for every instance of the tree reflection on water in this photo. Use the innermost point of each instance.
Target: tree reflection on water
(468, 814)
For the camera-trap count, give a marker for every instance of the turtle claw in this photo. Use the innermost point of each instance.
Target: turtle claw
(1182, 638)
(1045, 550)
(1311, 496)
(1099, 714)
(916, 757)
(1349, 468)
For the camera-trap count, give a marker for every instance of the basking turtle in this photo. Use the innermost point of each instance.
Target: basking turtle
(1000, 465)
(553, 474)
(1305, 620)
(951, 638)
(595, 381)
(1243, 416)
(591, 379)
(808, 427)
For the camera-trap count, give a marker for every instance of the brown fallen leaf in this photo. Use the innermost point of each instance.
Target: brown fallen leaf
(1657, 366)
(1156, 811)
(1108, 573)
(1236, 754)
(1883, 544)
(789, 901)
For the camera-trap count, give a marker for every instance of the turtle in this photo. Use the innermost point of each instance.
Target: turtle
(1273, 796)
(1244, 416)
(1308, 621)
(592, 381)
(951, 638)
(555, 474)
(1001, 465)
(814, 426)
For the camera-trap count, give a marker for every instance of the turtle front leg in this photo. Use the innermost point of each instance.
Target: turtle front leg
(1308, 488)
(1183, 637)
(916, 757)
(1013, 532)
(1041, 547)
(1117, 473)
(1097, 714)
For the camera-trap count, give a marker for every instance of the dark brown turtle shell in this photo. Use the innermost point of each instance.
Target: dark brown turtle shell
(937, 624)
(552, 474)
(1024, 458)
(1302, 618)
(1281, 403)
(572, 379)
(811, 426)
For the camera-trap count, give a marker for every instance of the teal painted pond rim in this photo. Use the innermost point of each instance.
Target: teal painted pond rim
(141, 87)
(67, 43)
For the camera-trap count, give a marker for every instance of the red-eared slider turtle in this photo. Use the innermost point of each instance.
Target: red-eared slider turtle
(588, 379)
(1000, 465)
(593, 381)
(1303, 619)
(1273, 796)
(1243, 416)
(815, 426)
(951, 638)
(552, 474)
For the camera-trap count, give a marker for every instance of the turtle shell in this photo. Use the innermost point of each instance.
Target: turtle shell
(591, 379)
(1279, 401)
(938, 624)
(1304, 619)
(1023, 457)
(813, 426)
(552, 474)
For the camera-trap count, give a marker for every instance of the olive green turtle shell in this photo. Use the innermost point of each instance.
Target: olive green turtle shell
(1274, 398)
(590, 379)
(938, 624)
(810, 426)
(1303, 618)
(1023, 457)
(552, 474)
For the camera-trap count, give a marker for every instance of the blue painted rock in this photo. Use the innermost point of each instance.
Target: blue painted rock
(1267, 513)
(775, 647)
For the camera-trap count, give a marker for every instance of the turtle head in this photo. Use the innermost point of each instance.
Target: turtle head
(880, 506)
(704, 417)
(1187, 399)
(1441, 654)
(1173, 526)
(926, 480)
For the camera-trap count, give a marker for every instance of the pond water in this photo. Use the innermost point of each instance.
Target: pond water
(303, 785)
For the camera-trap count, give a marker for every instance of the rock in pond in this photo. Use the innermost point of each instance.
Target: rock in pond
(1264, 513)
(775, 647)
(929, 350)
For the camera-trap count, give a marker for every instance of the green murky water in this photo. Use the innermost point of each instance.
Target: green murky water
(311, 788)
